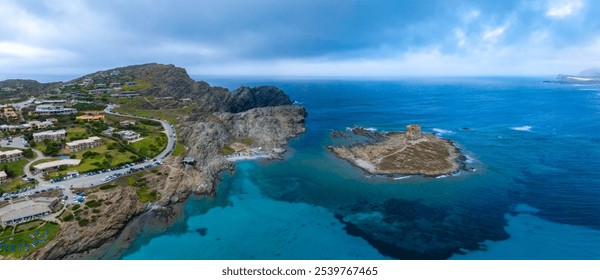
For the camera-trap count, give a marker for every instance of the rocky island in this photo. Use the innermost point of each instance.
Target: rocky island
(401, 153)
(203, 124)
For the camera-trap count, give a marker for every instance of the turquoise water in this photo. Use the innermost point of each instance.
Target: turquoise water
(532, 190)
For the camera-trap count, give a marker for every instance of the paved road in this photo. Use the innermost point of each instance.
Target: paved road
(26, 168)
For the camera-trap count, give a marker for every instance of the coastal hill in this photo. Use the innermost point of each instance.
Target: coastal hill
(208, 121)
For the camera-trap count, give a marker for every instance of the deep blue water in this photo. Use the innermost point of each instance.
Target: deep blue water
(534, 194)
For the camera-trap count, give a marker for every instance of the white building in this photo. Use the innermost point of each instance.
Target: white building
(129, 135)
(53, 135)
(54, 165)
(54, 110)
(84, 144)
(11, 155)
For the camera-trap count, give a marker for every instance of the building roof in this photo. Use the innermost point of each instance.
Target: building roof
(50, 132)
(84, 141)
(11, 152)
(56, 163)
(3, 174)
(21, 210)
(189, 159)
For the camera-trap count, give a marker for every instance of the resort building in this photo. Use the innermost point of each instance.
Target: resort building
(54, 165)
(11, 155)
(3, 177)
(84, 144)
(92, 116)
(54, 110)
(23, 211)
(53, 135)
(129, 135)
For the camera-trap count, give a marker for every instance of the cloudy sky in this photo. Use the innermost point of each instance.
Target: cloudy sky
(301, 38)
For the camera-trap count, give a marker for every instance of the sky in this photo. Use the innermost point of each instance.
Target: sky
(308, 38)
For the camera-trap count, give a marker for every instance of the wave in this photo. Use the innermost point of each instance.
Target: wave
(441, 176)
(402, 177)
(441, 132)
(371, 129)
(522, 128)
(469, 159)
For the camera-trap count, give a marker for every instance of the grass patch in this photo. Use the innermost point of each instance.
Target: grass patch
(16, 167)
(94, 203)
(135, 106)
(66, 216)
(145, 194)
(16, 184)
(151, 145)
(83, 222)
(7, 231)
(75, 207)
(100, 160)
(179, 149)
(227, 151)
(20, 244)
(107, 187)
(28, 226)
(77, 132)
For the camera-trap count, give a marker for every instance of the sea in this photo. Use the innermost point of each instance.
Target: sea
(531, 189)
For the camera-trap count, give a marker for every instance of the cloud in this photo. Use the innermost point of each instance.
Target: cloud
(563, 8)
(275, 37)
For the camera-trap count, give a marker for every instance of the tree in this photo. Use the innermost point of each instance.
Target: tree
(28, 153)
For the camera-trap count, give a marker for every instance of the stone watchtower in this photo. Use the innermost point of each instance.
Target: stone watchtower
(413, 132)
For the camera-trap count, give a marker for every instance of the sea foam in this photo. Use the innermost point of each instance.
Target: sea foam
(522, 128)
(441, 132)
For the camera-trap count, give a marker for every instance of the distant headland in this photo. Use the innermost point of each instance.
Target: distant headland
(588, 76)
(407, 153)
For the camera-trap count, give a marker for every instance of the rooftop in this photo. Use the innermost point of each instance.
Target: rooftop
(50, 132)
(56, 163)
(83, 141)
(10, 152)
(22, 209)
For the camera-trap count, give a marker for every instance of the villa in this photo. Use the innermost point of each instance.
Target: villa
(129, 135)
